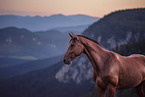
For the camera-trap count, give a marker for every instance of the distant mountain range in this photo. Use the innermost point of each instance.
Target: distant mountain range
(23, 44)
(74, 29)
(17, 39)
(38, 23)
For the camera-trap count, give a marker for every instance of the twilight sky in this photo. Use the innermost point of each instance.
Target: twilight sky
(97, 8)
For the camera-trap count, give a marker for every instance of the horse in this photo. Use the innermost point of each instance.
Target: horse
(111, 71)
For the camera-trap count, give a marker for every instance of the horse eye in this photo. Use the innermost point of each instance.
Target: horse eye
(74, 39)
(72, 45)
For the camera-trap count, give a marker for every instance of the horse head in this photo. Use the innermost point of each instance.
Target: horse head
(75, 49)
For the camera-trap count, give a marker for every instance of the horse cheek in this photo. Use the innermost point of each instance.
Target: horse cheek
(79, 50)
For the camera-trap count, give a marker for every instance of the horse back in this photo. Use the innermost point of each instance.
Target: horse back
(132, 70)
(138, 58)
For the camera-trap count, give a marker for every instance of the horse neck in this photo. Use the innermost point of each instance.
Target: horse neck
(96, 54)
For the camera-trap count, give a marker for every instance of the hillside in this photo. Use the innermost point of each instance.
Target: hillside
(118, 28)
(6, 62)
(42, 83)
(22, 43)
(25, 67)
(131, 48)
(38, 23)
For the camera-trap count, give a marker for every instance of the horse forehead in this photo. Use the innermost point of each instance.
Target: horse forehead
(73, 42)
(70, 43)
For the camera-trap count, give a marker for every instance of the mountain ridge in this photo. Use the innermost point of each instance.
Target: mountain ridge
(38, 23)
(118, 27)
(22, 42)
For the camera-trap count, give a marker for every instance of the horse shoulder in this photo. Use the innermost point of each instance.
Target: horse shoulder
(110, 71)
(114, 60)
(107, 79)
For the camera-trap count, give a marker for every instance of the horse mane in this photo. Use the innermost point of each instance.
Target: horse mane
(89, 39)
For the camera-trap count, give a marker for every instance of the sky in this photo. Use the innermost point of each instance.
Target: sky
(97, 8)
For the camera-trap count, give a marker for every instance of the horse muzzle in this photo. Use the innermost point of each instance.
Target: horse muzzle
(67, 61)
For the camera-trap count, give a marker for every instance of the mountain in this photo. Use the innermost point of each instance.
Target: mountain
(131, 48)
(83, 19)
(50, 35)
(74, 29)
(38, 23)
(118, 28)
(20, 43)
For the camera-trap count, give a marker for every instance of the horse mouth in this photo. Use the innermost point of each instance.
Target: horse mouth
(67, 61)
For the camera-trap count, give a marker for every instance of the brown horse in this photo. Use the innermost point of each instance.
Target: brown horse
(111, 70)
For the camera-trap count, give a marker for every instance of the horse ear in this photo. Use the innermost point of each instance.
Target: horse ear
(70, 35)
(74, 36)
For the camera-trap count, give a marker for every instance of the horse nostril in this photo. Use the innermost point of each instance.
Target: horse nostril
(64, 60)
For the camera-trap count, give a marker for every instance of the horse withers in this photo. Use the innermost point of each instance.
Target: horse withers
(111, 70)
